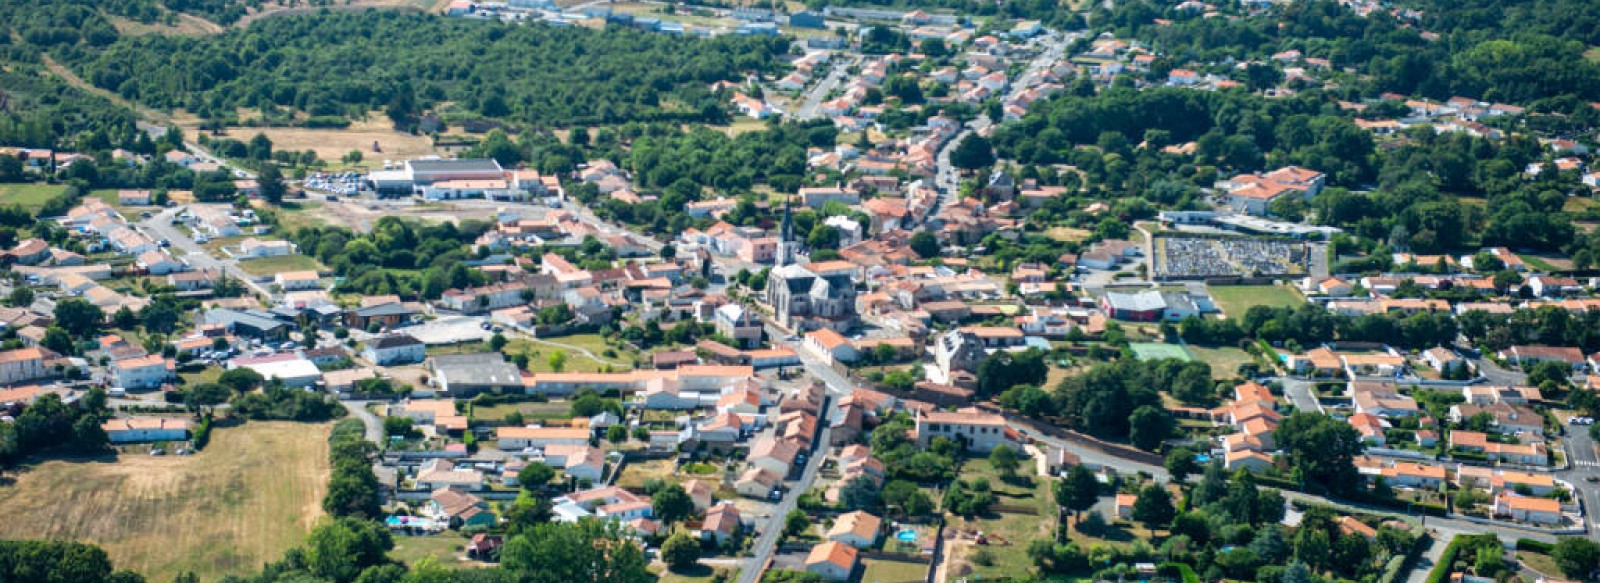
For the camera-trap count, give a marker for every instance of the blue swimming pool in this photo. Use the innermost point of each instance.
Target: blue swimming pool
(907, 535)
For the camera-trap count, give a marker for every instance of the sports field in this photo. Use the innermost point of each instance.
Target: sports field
(1153, 351)
(244, 500)
(1235, 300)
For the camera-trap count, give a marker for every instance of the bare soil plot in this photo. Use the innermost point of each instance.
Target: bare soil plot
(332, 144)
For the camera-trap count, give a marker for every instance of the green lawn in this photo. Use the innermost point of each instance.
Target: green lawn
(883, 571)
(539, 355)
(1154, 351)
(29, 196)
(1224, 360)
(1009, 532)
(440, 547)
(270, 265)
(1235, 300)
(530, 411)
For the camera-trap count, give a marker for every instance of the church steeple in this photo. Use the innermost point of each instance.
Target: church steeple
(786, 240)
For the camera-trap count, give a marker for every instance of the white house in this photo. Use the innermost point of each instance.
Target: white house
(138, 429)
(857, 529)
(145, 372)
(394, 349)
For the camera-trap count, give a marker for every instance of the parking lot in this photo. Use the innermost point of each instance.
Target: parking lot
(450, 330)
(1198, 257)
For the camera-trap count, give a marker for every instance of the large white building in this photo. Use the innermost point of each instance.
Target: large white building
(145, 372)
(980, 432)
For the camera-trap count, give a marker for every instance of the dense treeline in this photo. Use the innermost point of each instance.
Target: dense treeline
(44, 112)
(1509, 65)
(341, 64)
(66, 562)
(1416, 183)
(52, 425)
(1117, 400)
(1307, 325)
(396, 257)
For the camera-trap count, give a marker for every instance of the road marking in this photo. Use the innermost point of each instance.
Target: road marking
(1586, 464)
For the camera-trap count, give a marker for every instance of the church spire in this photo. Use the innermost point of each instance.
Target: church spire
(786, 241)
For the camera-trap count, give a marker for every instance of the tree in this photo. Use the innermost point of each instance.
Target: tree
(1181, 463)
(341, 549)
(497, 342)
(57, 340)
(795, 522)
(1552, 371)
(1005, 462)
(1322, 450)
(1296, 572)
(1577, 557)
(1154, 507)
(860, 493)
(1078, 491)
(672, 504)
(924, 244)
(401, 427)
(535, 475)
(589, 550)
(1312, 547)
(616, 434)
(204, 396)
(1149, 426)
(558, 360)
(241, 380)
(79, 318)
(680, 552)
(270, 180)
(972, 153)
(907, 497)
(21, 297)
(124, 319)
(1269, 544)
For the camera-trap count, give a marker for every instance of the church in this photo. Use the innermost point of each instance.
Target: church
(804, 300)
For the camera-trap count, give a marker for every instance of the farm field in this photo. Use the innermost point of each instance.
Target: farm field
(29, 196)
(1235, 300)
(253, 493)
(332, 144)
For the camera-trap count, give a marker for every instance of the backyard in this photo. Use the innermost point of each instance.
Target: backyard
(270, 265)
(1224, 360)
(1007, 529)
(252, 494)
(29, 196)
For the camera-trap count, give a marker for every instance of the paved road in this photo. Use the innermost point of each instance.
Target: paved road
(160, 226)
(838, 386)
(1584, 463)
(1498, 376)
(812, 99)
(1301, 394)
(374, 426)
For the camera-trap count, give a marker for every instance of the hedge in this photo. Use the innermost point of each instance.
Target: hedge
(202, 434)
(1528, 544)
(1447, 560)
(1185, 572)
(1400, 566)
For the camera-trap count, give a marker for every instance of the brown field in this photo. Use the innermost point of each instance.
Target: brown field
(251, 495)
(187, 25)
(331, 145)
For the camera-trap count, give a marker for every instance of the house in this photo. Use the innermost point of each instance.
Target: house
(1349, 526)
(1247, 460)
(385, 315)
(1443, 359)
(459, 509)
(297, 280)
(518, 438)
(188, 281)
(978, 431)
(1382, 400)
(1544, 511)
(443, 473)
(145, 429)
(721, 524)
(25, 364)
(1124, 506)
(740, 324)
(700, 493)
(1527, 356)
(393, 349)
(133, 197)
(774, 455)
(832, 560)
(757, 483)
(1413, 475)
(831, 346)
(254, 248)
(145, 372)
(857, 529)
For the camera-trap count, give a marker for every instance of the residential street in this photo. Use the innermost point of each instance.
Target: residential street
(159, 226)
(812, 98)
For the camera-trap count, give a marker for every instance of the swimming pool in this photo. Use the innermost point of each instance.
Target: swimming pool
(907, 535)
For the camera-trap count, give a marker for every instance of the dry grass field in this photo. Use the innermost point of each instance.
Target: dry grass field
(244, 500)
(332, 144)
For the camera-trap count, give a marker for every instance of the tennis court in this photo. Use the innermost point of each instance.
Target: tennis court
(1153, 351)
